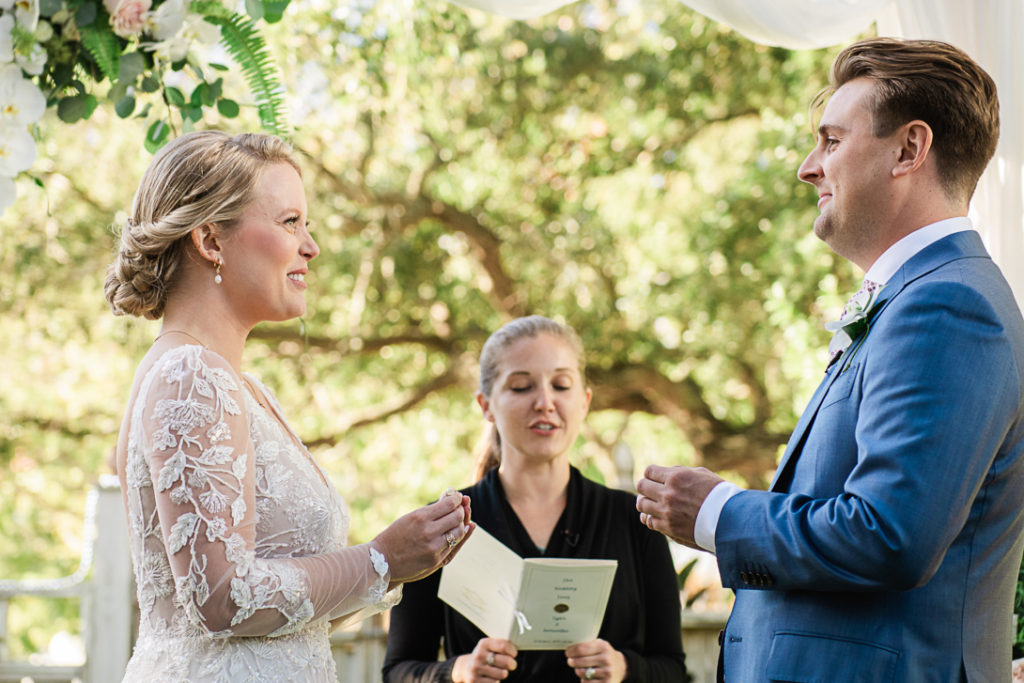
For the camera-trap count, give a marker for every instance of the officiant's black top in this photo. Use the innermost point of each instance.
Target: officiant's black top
(641, 621)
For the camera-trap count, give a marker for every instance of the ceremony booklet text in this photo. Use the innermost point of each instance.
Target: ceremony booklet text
(538, 603)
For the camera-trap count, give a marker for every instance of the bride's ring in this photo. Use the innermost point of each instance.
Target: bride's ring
(490, 659)
(589, 673)
(450, 539)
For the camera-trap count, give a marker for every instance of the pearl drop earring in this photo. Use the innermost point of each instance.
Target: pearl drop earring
(217, 278)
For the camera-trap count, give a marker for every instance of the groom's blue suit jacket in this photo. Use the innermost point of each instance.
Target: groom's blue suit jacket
(889, 544)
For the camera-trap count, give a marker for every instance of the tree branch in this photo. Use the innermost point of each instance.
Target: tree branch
(400, 403)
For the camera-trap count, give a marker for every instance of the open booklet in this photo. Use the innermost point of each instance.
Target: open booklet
(538, 603)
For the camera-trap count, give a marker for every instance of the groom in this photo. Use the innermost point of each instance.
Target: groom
(888, 546)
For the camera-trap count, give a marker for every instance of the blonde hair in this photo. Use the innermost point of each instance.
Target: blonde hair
(489, 449)
(203, 177)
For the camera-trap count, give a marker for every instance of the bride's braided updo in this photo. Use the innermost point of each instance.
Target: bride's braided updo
(199, 178)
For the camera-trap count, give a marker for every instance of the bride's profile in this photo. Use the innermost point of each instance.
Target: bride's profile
(238, 538)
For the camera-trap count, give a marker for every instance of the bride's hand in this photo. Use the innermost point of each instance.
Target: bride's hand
(418, 543)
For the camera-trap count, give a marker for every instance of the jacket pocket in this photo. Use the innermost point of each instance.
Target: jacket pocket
(817, 658)
(842, 387)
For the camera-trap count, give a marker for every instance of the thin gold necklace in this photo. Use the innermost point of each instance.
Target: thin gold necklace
(255, 393)
(190, 336)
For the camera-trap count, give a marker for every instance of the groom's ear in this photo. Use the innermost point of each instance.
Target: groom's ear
(914, 140)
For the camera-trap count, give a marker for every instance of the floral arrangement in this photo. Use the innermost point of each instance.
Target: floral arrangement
(137, 54)
(855, 322)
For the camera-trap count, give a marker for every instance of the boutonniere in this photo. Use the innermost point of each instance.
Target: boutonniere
(854, 323)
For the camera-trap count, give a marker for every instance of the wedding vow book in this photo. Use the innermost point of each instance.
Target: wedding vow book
(538, 603)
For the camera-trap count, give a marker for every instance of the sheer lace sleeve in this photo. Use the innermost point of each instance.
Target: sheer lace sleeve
(202, 465)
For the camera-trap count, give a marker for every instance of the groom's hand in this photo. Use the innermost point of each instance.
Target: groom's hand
(669, 499)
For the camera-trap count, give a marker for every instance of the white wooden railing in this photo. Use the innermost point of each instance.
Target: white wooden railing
(104, 585)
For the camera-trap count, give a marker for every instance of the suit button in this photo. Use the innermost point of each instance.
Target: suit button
(745, 576)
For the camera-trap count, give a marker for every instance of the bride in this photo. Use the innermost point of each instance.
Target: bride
(238, 538)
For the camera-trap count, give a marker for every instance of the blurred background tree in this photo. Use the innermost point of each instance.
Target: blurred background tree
(628, 168)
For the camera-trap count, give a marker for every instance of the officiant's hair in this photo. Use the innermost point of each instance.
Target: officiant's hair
(934, 82)
(489, 449)
(201, 177)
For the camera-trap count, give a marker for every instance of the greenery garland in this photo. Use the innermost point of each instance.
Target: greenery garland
(57, 53)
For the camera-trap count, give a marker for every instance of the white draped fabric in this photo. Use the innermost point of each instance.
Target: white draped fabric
(985, 29)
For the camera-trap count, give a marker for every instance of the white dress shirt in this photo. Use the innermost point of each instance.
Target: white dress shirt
(880, 271)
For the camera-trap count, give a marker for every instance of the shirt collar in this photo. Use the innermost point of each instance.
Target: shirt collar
(902, 251)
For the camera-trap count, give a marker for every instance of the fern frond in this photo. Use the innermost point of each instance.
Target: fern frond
(246, 45)
(104, 47)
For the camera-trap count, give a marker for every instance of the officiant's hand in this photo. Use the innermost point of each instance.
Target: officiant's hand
(490, 660)
(596, 660)
(670, 498)
(418, 543)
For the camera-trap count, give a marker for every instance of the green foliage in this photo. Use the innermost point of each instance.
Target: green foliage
(104, 47)
(83, 54)
(247, 46)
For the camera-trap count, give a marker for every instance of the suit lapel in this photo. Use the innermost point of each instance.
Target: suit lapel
(806, 418)
(957, 245)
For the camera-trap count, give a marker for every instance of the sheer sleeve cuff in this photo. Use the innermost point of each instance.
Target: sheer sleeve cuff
(379, 589)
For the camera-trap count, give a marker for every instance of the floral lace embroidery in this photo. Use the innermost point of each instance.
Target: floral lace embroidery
(219, 498)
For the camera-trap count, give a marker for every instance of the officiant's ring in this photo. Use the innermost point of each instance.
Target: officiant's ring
(450, 539)
(589, 673)
(490, 659)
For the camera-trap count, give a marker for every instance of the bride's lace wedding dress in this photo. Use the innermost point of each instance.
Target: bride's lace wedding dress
(237, 537)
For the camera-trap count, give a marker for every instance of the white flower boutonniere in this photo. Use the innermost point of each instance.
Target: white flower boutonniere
(855, 321)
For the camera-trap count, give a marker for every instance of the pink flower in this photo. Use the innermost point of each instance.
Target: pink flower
(129, 16)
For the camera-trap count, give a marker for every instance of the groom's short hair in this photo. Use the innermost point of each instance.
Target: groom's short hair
(934, 82)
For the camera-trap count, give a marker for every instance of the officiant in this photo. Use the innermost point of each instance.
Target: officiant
(534, 397)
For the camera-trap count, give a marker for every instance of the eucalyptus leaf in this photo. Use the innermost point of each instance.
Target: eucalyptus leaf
(117, 92)
(125, 106)
(273, 10)
(215, 90)
(85, 15)
(194, 114)
(227, 108)
(254, 8)
(76, 108)
(132, 66)
(199, 93)
(174, 96)
(47, 8)
(156, 136)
